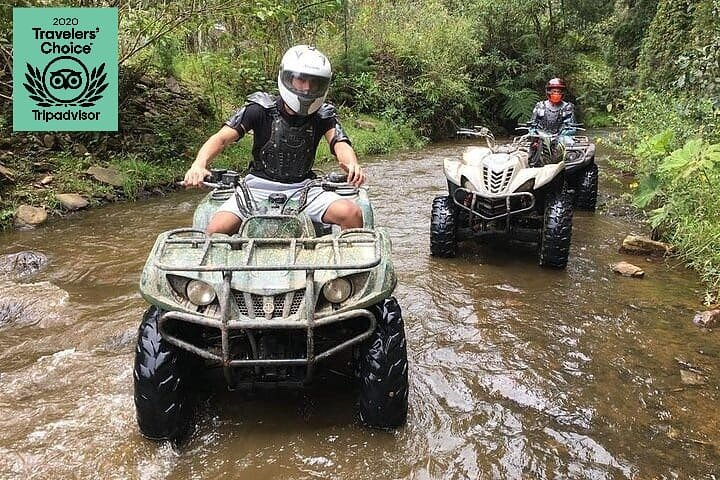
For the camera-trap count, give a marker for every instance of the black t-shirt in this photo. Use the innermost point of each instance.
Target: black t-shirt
(259, 120)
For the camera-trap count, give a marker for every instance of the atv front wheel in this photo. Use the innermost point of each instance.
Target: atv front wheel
(162, 408)
(557, 231)
(586, 189)
(443, 237)
(384, 370)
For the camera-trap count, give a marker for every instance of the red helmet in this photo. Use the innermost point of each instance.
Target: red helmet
(555, 84)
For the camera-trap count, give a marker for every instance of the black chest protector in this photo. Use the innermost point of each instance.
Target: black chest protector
(551, 117)
(289, 154)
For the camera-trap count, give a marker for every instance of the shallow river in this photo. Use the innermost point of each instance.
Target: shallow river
(516, 372)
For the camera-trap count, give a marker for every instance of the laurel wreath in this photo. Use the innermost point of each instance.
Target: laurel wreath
(39, 93)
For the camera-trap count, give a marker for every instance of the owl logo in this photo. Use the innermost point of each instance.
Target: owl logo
(65, 81)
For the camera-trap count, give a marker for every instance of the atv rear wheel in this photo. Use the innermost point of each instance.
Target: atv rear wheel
(557, 231)
(162, 408)
(586, 189)
(443, 233)
(384, 370)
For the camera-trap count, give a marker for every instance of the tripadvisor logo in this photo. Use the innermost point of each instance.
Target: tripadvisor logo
(70, 78)
(65, 81)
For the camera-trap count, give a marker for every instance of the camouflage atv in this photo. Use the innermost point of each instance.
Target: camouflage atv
(270, 305)
(508, 191)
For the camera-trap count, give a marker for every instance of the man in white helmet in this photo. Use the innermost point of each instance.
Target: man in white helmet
(287, 131)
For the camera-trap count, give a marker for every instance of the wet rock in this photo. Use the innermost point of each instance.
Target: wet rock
(71, 201)
(637, 245)
(39, 303)
(27, 216)
(707, 319)
(628, 270)
(22, 264)
(108, 175)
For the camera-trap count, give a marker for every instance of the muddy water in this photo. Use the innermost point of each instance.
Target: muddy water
(516, 371)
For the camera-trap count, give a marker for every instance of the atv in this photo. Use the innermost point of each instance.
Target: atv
(581, 171)
(509, 191)
(268, 306)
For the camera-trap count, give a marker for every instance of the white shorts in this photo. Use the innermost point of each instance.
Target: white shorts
(317, 203)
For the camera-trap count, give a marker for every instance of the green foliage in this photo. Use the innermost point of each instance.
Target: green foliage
(681, 185)
(139, 175)
(668, 35)
(518, 102)
(643, 113)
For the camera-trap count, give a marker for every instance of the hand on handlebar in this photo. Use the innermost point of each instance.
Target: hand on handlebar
(355, 174)
(195, 176)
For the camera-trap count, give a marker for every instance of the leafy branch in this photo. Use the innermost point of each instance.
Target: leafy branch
(165, 22)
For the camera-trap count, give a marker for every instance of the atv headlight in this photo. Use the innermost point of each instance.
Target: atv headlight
(199, 293)
(337, 290)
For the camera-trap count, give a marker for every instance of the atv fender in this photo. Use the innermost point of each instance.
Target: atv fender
(547, 173)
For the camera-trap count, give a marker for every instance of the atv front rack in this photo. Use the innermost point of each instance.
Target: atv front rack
(226, 325)
(491, 204)
(199, 239)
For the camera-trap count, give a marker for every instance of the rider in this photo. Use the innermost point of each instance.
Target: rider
(554, 115)
(287, 130)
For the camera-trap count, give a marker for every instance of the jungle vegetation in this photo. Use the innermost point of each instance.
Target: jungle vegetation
(409, 71)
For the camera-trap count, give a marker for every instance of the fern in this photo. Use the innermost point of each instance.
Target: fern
(519, 103)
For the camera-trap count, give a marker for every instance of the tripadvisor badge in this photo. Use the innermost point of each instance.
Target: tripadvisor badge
(69, 79)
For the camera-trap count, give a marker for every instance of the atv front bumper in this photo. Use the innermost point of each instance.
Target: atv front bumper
(226, 328)
(493, 207)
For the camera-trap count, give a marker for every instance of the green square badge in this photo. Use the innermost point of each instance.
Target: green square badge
(65, 74)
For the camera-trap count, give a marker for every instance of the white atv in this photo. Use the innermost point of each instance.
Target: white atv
(498, 190)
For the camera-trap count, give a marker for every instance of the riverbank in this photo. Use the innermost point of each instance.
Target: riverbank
(52, 174)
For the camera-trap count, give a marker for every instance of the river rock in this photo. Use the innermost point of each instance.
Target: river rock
(106, 175)
(628, 270)
(80, 149)
(22, 264)
(28, 216)
(365, 124)
(48, 140)
(637, 245)
(707, 319)
(173, 85)
(25, 304)
(71, 201)
(688, 377)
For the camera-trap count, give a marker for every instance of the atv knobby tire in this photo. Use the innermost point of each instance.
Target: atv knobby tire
(586, 189)
(383, 370)
(557, 231)
(443, 233)
(162, 408)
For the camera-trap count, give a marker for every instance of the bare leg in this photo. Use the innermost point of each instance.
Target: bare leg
(224, 222)
(344, 213)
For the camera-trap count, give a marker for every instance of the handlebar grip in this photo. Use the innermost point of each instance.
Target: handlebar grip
(335, 177)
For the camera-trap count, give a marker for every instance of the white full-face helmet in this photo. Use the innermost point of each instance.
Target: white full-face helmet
(304, 78)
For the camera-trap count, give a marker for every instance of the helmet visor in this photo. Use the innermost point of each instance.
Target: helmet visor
(303, 84)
